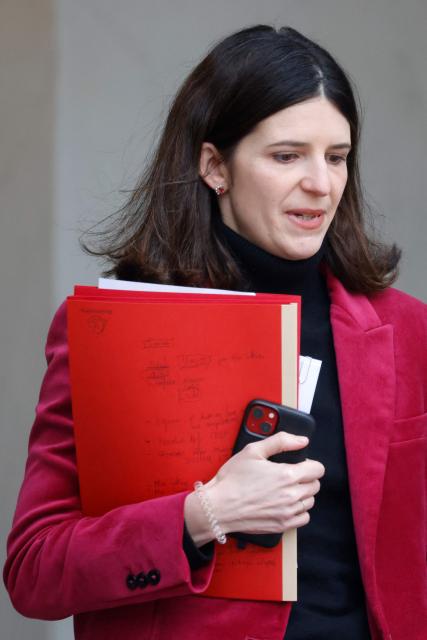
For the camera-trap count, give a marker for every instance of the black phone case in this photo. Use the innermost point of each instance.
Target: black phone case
(291, 421)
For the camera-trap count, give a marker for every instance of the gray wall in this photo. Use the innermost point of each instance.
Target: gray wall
(27, 77)
(83, 86)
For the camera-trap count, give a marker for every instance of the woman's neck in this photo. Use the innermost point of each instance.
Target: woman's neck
(264, 272)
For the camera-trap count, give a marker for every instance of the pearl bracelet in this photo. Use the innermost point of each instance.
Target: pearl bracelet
(207, 510)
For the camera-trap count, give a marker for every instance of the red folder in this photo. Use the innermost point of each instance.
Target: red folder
(159, 386)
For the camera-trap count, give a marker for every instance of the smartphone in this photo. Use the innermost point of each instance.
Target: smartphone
(261, 420)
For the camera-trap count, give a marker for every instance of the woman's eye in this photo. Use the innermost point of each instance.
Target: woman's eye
(337, 159)
(285, 157)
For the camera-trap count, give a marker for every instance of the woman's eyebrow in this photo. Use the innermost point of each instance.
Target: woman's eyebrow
(297, 143)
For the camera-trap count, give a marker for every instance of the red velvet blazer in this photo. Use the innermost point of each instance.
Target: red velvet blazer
(61, 563)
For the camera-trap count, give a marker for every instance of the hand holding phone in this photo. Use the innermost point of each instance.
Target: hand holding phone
(261, 420)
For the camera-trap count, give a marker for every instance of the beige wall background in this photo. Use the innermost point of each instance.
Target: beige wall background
(84, 85)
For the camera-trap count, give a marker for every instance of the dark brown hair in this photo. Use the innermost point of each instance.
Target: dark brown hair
(165, 232)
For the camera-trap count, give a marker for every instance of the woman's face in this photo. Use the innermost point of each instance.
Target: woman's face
(285, 179)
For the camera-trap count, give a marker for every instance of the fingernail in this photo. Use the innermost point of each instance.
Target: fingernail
(302, 439)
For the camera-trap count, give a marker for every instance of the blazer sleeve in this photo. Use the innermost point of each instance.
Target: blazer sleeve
(61, 562)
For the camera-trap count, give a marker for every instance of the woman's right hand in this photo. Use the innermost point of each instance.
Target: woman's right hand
(251, 494)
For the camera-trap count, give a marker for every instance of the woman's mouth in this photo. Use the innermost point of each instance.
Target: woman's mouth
(306, 218)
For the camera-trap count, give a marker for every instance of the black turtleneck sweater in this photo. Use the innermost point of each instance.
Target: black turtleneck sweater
(330, 593)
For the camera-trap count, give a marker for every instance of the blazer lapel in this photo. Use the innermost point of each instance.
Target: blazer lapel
(366, 372)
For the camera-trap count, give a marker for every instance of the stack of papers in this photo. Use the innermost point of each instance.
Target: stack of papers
(160, 381)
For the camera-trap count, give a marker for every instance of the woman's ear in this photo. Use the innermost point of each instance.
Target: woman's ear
(212, 168)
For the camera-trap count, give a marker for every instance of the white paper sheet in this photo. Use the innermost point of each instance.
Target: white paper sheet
(125, 285)
(309, 369)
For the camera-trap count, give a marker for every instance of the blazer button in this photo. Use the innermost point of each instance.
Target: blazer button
(142, 580)
(131, 582)
(154, 576)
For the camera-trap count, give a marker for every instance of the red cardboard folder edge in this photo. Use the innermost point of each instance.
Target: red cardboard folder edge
(159, 386)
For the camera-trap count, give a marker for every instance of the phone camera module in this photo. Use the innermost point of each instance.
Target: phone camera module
(261, 421)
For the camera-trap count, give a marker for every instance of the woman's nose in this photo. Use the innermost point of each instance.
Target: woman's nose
(317, 179)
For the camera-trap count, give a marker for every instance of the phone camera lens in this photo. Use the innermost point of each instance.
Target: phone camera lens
(258, 413)
(265, 427)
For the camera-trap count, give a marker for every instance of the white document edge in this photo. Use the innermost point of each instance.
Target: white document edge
(126, 285)
(309, 370)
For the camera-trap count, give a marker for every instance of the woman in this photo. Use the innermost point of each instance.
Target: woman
(254, 184)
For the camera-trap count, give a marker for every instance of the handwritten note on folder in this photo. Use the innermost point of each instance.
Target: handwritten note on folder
(159, 386)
